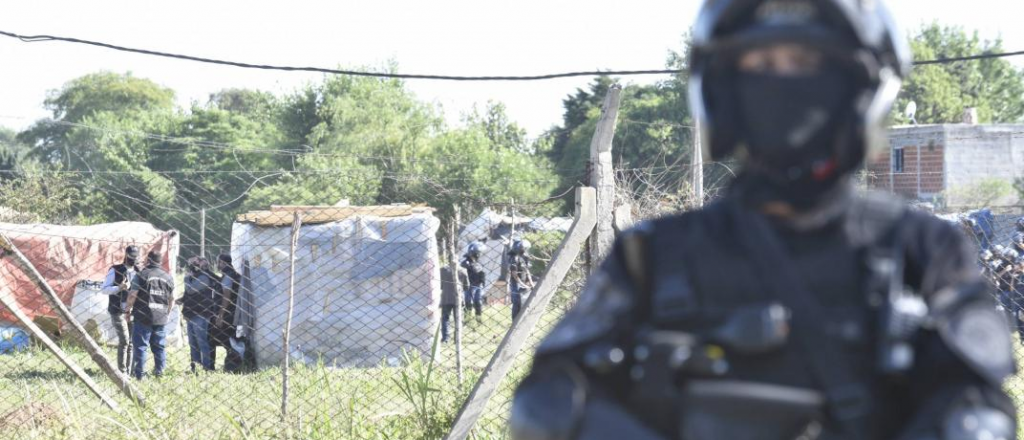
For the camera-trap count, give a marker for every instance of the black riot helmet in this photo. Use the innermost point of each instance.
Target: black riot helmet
(806, 129)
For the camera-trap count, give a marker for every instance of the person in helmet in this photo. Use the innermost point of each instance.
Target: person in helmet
(1018, 241)
(477, 277)
(1009, 279)
(520, 279)
(766, 314)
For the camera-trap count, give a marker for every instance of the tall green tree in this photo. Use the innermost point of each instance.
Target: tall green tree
(83, 99)
(942, 91)
(11, 152)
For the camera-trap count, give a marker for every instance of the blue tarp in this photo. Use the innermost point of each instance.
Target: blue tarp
(13, 339)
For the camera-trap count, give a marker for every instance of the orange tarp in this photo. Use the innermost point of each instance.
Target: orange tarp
(64, 255)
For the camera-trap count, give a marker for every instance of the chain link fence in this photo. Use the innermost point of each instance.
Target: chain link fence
(296, 268)
(327, 298)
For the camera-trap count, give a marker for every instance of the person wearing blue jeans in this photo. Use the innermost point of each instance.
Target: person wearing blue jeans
(477, 277)
(199, 342)
(144, 338)
(474, 299)
(197, 307)
(150, 302)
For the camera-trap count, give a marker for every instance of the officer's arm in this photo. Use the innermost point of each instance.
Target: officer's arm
(577, 380)
(108, 287)
(133, 294)
(225, 302)
(963, 358)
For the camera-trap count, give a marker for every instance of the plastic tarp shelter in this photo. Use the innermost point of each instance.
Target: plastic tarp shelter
(367, 283)
(65, 255)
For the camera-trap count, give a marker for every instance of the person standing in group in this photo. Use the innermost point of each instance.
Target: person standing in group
(197, 308)
(116, 286)
(150, 303)
(224, 328)
(520, 279)
(477, 278)
(449, 299)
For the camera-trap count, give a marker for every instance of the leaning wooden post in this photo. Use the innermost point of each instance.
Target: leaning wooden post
(529, 317)
(39, 334)
(7, 248)
(453, 265)
(602, 176)
(296, 224)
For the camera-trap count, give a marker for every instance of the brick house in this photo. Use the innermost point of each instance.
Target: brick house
(942, 163)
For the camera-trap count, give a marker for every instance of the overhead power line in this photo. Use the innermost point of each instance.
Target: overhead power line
(42, 38)
(39, 38)
(969, 58)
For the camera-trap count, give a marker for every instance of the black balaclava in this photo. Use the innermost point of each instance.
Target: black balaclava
(791, 128)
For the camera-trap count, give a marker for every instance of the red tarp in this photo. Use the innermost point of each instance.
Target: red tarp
(64, 255)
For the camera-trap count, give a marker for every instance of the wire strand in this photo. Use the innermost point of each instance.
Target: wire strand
(590, 73)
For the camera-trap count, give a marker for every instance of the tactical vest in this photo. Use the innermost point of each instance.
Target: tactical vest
(114, 302)
(156, 297)
(698, 275)
(199, 295)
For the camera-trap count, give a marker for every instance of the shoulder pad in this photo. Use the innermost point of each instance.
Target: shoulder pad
(603, 301)
(979, 335)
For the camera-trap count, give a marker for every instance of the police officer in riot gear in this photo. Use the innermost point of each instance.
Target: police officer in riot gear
(477, 277)
(520, 279)
(792, 307)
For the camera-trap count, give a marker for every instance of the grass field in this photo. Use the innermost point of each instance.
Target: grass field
(40, 399)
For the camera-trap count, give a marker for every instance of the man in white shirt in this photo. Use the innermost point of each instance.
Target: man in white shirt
(116, 286)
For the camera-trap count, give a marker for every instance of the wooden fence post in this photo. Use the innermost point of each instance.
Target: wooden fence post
(602, 176)
(530, 315)
(296, 224)
(453, 265)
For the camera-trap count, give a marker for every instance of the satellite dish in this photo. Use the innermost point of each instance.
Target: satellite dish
(911, 112)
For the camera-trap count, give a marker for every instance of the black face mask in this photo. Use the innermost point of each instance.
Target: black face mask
(789, 123)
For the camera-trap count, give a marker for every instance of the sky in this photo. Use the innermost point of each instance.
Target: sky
(457, 37)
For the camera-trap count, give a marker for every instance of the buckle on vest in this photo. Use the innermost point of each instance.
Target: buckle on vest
(849, 402)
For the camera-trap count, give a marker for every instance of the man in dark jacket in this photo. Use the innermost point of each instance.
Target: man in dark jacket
(150, 304)
(477, 277)
(224, 329)
(197, 308)
(794, 306)
(449, 299)
(116, 286)
(520, 278)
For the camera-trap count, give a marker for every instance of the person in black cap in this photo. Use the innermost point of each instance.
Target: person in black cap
(150, 303)
(115, 286)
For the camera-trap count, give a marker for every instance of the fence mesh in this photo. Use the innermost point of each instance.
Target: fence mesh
(369, 357)
(371, 344)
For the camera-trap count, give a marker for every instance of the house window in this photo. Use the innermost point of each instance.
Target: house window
(897, 160)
